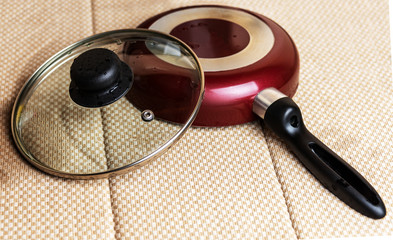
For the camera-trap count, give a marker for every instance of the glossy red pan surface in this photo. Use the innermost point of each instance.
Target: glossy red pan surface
(242, 53)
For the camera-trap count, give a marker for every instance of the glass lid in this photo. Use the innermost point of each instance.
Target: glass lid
(108, 104)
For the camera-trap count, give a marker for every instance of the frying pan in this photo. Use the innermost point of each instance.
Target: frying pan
(251, 69)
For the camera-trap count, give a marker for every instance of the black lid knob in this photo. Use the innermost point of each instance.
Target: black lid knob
(99, 78)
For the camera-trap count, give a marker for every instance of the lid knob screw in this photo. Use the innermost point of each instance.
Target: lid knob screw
(147, 115)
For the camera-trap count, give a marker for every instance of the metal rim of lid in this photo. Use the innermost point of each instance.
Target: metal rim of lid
(62, 56)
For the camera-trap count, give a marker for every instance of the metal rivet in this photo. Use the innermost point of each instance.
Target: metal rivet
(147, 115)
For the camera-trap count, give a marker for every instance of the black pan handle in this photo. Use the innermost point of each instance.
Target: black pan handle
(283, 116)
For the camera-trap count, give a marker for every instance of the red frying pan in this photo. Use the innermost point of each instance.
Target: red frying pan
(241, 53)
(251, 69)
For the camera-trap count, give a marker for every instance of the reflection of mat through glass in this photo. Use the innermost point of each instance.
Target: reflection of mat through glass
(81, 140)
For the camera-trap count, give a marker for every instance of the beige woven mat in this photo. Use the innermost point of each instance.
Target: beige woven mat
(32, 204)
(216, 183)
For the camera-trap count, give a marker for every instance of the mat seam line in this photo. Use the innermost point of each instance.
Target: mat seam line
(109, 179)
(279, 180)
(93, 22)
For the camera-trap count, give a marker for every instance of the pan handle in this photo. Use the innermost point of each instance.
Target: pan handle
(283, 116)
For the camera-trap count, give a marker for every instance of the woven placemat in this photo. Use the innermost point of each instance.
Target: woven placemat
(34, 205)
(216, 183)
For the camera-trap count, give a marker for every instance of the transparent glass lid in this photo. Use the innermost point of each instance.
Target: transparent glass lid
(108, 104)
